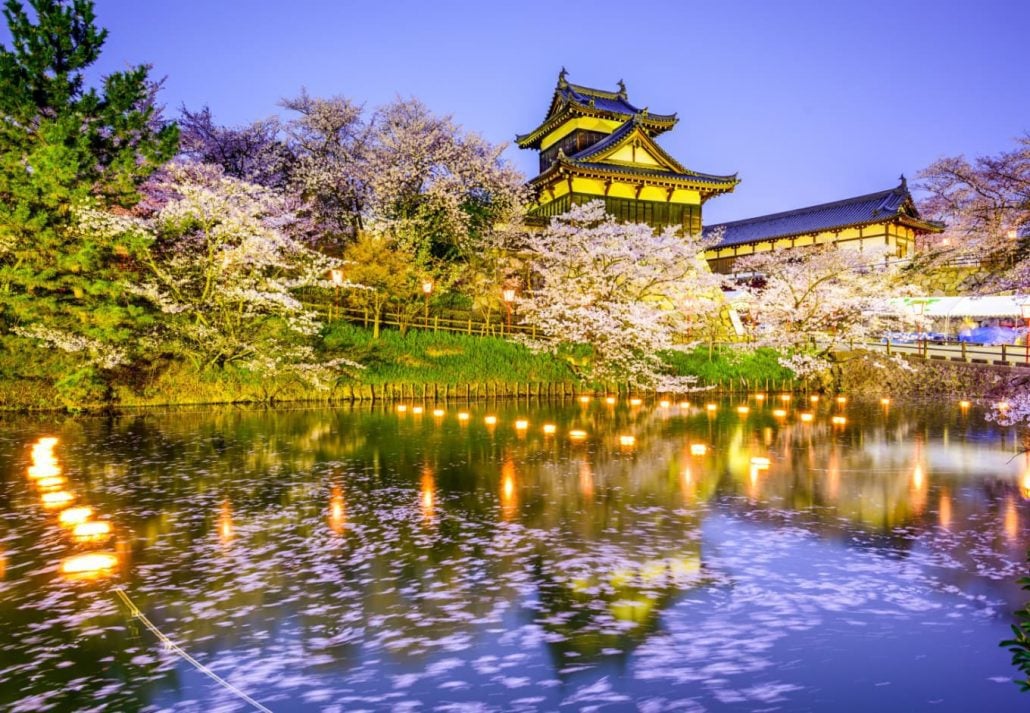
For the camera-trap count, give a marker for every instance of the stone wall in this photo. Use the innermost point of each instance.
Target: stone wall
(875, 376)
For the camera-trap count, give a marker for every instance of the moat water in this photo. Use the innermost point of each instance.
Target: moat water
(669, 558)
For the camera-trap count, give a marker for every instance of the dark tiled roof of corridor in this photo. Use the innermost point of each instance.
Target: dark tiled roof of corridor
(860, 210)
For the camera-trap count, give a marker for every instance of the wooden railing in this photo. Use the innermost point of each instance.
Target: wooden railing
(448, 320)
(1001, 354)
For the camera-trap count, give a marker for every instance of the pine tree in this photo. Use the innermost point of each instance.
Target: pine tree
(66, 150)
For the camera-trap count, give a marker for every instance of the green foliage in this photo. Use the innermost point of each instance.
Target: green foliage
(419, 357)
(64, 149)
(1019, 644)
(379, 265)
(727, 364)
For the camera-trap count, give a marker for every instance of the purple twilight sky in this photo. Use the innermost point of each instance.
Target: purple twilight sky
(809, 101)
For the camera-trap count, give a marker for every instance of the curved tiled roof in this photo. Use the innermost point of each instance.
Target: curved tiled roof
(850, 212)
(574, 99)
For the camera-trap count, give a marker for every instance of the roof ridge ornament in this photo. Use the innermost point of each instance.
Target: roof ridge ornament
(562, 81)
(622, 90)
(904, 183)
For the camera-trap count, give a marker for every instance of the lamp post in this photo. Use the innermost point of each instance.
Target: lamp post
(1024, 312)
(427, 289)
(919, 308)
(337, 277)
(508, 295)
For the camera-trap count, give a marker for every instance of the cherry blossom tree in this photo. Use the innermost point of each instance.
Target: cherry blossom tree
(222, 266)
(329, 138)
(621, 293)
(826, 294)
(434, 187)
(255, 153)
(809, 302)
(985, 205)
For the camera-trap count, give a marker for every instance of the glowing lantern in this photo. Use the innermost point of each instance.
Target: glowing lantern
(785, 397)
(577, 435)
(779, 413)
(842, 399)
(463, 416)
(1002, 406)
(743, 410)
(759, 397)
(1024, 485)
(963, 404)
(584, 399)
(711, 407)
(698, 449)
(609, 400)
(760, 462)
(57, 499)
(401, 408)
(438, 412)
(91, 530)
(521, 425)
(549, 428)
(490, 420)
(807, 417)
(44, 470)
(89, 564)
(417, 410)
(54, 482)
(635, 402)
(814, 398)
(839, 420)
(663, 404)
(47, 442)
(684, 404)
(76, 515)
(885, 402)
(627, 441)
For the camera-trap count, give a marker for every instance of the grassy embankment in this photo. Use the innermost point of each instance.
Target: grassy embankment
(434, 363)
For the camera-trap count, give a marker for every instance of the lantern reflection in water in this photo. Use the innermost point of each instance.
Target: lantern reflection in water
(1011, 519)
(76, 515)
(57, 499)
(53, 482)
(698, 449)
(586, 480)
(577, 435)
(1024, 484)
(89, 565)
(225, 526)
(427, 494)
(337, 511)
(509, 497)
(944, 511)
(91, 531)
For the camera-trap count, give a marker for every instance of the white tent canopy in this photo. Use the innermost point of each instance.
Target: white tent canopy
(982, 307)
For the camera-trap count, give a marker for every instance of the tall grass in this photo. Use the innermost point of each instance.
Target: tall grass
(420, 357)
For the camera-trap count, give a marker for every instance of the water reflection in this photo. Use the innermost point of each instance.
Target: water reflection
(564, 556)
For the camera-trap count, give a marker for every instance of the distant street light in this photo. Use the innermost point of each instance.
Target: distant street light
(919, 308)
(508, 295)
(427, 289)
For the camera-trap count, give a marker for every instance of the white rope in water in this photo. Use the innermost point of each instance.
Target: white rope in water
(134, 611)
